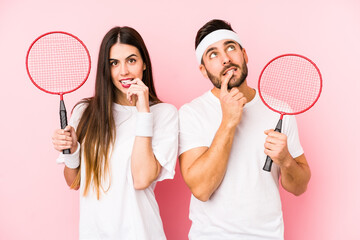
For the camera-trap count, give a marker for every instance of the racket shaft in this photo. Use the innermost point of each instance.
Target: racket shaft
(63, 121)
(269, 161)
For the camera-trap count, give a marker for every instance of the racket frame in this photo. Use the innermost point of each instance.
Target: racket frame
(57, 93)
(287, 113)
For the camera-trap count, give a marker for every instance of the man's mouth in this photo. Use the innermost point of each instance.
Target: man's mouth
(231, 69)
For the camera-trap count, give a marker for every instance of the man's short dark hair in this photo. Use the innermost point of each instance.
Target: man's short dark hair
(209, 27)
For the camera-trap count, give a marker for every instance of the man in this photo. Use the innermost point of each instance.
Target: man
(225, 135)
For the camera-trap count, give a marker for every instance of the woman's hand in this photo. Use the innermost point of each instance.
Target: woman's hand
(65, 139)
(139, 93)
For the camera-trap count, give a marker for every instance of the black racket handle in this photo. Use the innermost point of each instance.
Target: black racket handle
(269, 161)
(63, 121)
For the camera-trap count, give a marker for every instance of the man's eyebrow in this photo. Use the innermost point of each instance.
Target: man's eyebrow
(229, 42)
(209, 50)
(225, 43)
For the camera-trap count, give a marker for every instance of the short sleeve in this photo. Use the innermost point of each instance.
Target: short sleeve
(190, 130)
(165, 138)
(76, 114)
(291, 131)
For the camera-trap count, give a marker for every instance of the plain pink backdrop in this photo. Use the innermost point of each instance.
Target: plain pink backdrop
(35, 202)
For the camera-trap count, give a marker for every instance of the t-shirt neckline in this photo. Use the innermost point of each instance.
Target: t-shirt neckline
(247, 105)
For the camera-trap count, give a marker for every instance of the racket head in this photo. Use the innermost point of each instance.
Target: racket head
(290, 84)
(58, 62)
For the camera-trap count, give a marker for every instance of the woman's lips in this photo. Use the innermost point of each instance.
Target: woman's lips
(126, 83)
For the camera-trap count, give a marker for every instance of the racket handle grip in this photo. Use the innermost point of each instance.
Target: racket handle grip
(269, 161)
(66, 151)
(268, 164)
(63, 121)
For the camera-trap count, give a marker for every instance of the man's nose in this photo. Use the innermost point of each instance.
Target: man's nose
(226, 59)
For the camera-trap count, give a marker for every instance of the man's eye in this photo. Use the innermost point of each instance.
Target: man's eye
(231, 48)
(212, 55)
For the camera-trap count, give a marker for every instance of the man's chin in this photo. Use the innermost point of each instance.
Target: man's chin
(235, 84)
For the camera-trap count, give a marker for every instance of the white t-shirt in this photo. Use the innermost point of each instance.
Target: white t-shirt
(247, 203)
(123, 212)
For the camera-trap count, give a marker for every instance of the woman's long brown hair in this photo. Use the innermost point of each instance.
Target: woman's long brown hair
(96, 130)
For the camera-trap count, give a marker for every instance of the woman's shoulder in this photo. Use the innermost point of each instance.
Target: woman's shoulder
(164, 112)
(80, 107)
(163, 108)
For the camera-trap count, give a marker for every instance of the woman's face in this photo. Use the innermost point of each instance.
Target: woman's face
(126, 64)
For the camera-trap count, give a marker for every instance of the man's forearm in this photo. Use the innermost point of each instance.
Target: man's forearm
(205, 174)
(295, 176)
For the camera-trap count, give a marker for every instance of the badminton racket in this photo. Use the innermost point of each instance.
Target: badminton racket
(58, 63)
(289, 84)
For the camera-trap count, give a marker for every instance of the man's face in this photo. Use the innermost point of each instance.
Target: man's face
(222, 57)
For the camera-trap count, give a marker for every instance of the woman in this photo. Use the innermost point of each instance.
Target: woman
(122, 141)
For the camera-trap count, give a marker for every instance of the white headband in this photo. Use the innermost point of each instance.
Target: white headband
(214, 37)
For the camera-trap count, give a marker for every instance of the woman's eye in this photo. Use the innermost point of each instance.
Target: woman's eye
(113, 63)
(132, 60)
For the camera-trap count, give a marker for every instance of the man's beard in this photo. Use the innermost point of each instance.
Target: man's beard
(232, 83)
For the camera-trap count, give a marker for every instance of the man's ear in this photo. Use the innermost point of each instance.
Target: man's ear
(203, 70)
(245, 55)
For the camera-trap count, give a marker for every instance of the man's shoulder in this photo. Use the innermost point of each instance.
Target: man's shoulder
(199, 103)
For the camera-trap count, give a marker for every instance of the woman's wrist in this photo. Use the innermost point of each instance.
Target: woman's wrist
(73, 160)
(144, 124)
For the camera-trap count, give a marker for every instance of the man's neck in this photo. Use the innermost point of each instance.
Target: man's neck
(249, 93)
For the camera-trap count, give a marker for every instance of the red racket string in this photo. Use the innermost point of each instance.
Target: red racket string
(290, 84)
(58, 63)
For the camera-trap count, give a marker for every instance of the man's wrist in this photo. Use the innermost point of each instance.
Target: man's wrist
(287, 162)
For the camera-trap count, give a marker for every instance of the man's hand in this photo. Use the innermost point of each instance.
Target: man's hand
(232, 102)
(276, 148)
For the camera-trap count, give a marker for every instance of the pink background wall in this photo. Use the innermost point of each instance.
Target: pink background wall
(35, 202)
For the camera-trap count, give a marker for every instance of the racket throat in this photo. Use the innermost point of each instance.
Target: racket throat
(279, 124)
